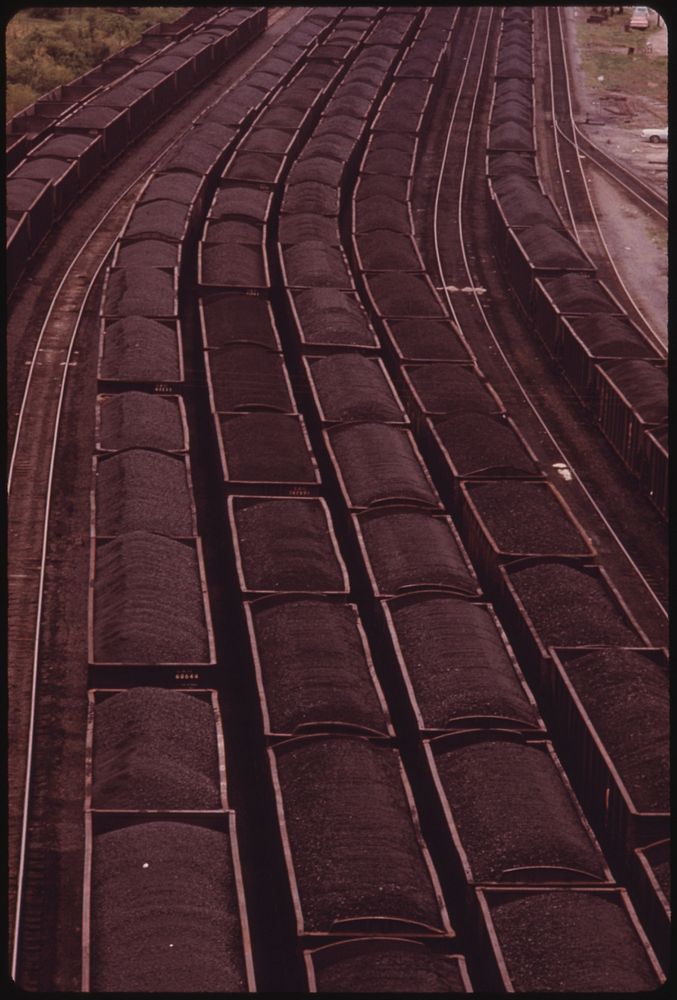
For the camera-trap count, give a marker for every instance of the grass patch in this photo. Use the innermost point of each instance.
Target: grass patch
(45, 47)
(604, 51)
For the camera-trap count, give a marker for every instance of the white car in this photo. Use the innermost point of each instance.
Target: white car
(640, 18)
(655, 134)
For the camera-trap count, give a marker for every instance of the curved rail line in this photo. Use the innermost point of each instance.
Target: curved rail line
(657, 342)
(96, 251)
(487, 322)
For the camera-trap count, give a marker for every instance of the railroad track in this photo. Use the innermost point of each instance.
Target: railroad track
(584, 220)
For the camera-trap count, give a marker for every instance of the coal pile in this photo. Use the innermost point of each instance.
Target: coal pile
(314, 667)
(235, 231)
(266, 447)
(22, 193)
(42, 168)
(427, 340)
(406, 968)
(611, 336)
(571, 942)
(140, 420)
(286, 545)
(175, 185)
(394, 188)
(510, 163)
(70, 147)
(313, 264)
(148, 253)
(377, 462)
(512, 810)
(247, 318)
(579, 294)
(546, 247)
(524, 204)
(414, 549)
(148, 605)
(511, 135)
(155, 749)
(244, 376)
(264, 168)
(139, 349)
(139, 490)
(645, 386)
(398, 163)
(311, 196)
(457, 662)
(166, 219)
(268, 140)
(385, 251)
(477, 442)
(142, 291)
(302, 226)
(238, 199)
(172, 926)
(351, 833)
(526, 517)
(352, 387)
(382, 212)
(393, 119)
(332, 316)
(448, 388)
(234, 265)
(569, 607)
(403, 295)
(626, 696)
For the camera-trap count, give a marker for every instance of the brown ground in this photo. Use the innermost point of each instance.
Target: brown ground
(633, 235)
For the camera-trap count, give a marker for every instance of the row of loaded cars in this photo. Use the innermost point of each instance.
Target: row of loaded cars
(613, 370)
(96, 118)
(349, 420)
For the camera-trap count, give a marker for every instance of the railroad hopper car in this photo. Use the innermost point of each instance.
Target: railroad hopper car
(651, 879)
(523, 789)
(130, 96)
(601, 699)
(572, 939)
(384, 965)
(581, 323)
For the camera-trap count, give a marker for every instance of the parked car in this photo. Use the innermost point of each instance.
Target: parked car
(640, 18)
(655, 134)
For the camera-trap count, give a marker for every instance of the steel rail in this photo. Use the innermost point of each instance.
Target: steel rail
(141, 178)
(487, 322)
(659, 342)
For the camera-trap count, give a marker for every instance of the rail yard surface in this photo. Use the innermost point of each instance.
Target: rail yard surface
(337, 504)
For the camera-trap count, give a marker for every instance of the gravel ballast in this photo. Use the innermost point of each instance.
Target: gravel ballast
(141, 420)
(247, 318)
(139, 349)
(139, 490)
(570, 607)
(314, 667)
(627, 698)
(285, 545)
(476, 442)
(512, 810)
(377, 462)
(526, 518)
(245, 376)
(352, 387)
(414, 548)
(266, 447)
(171, 926)
(457, 662)
(405, 968)
(155, 749)
(571, 942)
(352, 839)
(148, 605)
